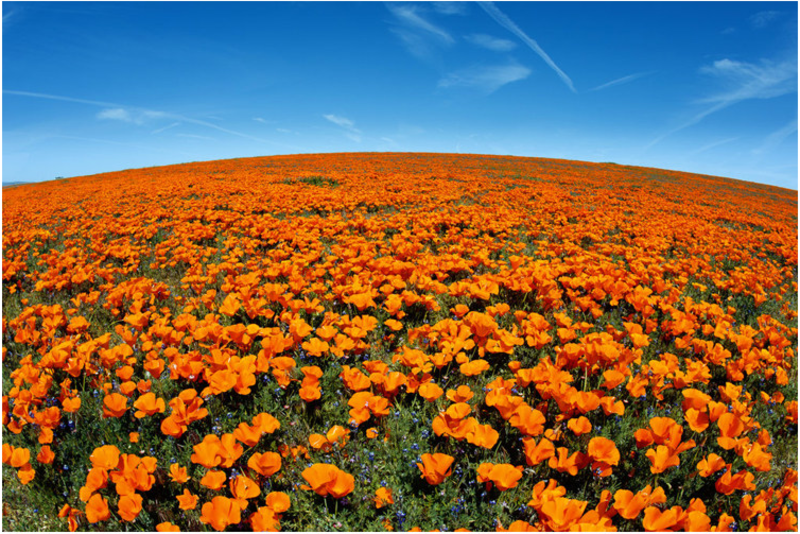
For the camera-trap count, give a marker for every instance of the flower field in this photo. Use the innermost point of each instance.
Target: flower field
(399, 342)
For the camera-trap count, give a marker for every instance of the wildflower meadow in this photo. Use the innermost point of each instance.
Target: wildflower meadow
(372, 342)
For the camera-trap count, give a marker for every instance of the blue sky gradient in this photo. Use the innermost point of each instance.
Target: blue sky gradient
(706, 87)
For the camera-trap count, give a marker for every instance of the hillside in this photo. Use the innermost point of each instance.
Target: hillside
(387, 341)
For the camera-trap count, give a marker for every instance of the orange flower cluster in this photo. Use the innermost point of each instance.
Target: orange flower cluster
(562, 328)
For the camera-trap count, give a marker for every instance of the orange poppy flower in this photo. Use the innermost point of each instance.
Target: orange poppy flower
(603, 450)
(435, 467)
(105, 457)
(730, 427)
(326, 479)
(129, 506)
(97, 509)
(383, 497)
(206, 452)
(698, 421)
(267, 423)
(71, 404)
(178, 474)
(71, 514)
(579, 426)
(657, 521)
(264, 520)
(393, 382)
(662, 458)
(148, 404)
(221, 512)
(187, 500)
(474, 367)
(461, 394)
(243, 489)
(561, 513)
(214, 479)
(536, 453)
(629, 505)
(727, 483)
(430, 391)
(247, 434)
(483, 436)
(563, 461)
(504, 476)
(278, 502)
(266, 464)
(527, 420)
(166, 526)
(114, 405)
(96, 478)
(393, 324)
(26, 473)
(46, 455)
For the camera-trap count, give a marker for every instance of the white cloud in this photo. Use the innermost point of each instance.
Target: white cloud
(503, 20)
(486, 78)
(142, 113)
(748, 80)
(713, 144)
(620, 81)
(743, 81)
(193, 136)
(763, 18)
(344, 122)
(450, 8)
(115, 114)
(420, 36)
(491, 43)
(167, 127)
(774, 139)
(408, 16)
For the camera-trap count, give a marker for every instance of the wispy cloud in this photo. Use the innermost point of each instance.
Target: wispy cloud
(145, 113)
(491, 43)
(351, 132)
(745, 81)
(623, 80)
(134, 116)
(420, 36)
(344, 122)
(118, 114)
(713, 144)
(776, 138)
(410, 17)
(164, 128)
(763, 18)
(450, 8)
(61, 98)
(262, 120)
(509, 24)
(486, 78)
(194, 136)
(7, 16)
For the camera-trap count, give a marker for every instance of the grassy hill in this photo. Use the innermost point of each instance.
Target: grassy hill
(387, 341)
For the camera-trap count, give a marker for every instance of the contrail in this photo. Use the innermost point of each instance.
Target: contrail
(508, 24)
(172, 116)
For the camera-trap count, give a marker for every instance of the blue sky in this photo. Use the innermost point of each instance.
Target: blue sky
(706, 87)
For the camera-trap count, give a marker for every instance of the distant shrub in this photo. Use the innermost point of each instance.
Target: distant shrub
(320, 181)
